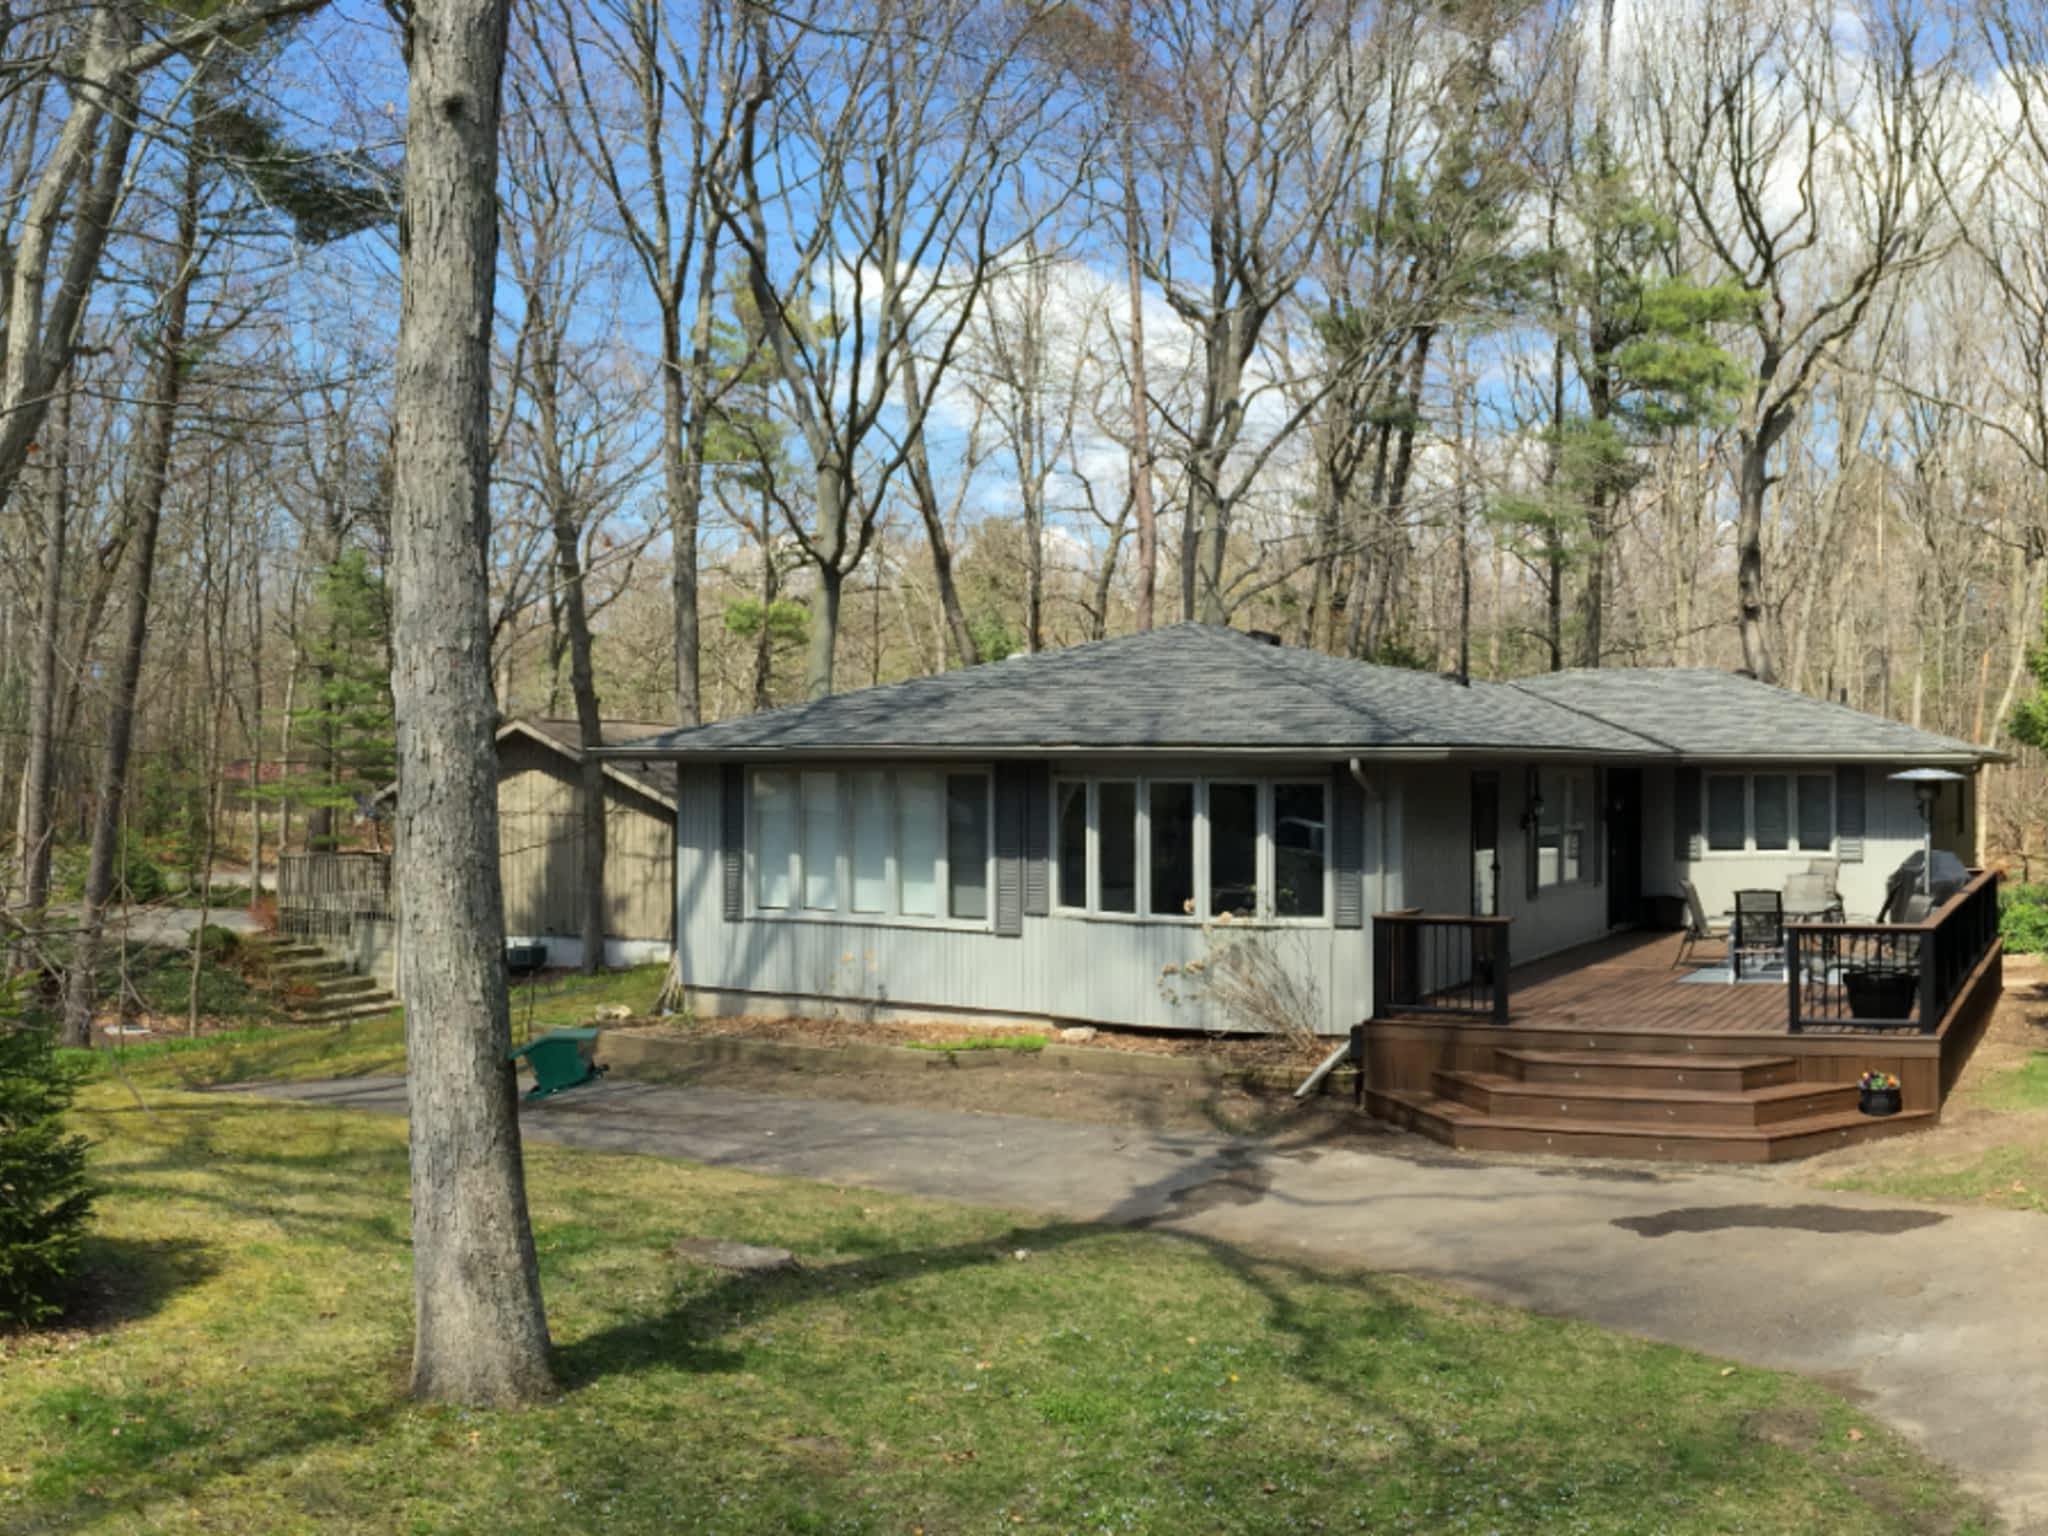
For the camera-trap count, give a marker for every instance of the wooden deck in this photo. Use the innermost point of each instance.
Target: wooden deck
(1608, 1050)
(1628, 982)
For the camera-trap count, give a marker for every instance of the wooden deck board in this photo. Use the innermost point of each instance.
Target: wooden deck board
(1628, 982)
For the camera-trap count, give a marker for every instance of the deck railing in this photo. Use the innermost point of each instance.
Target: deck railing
(1889, 975)
(1434, 963)
(323, 895)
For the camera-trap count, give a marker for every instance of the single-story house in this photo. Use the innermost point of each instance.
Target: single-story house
(540, 848)
(1081, 835)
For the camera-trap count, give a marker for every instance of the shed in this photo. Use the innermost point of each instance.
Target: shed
(541, 853)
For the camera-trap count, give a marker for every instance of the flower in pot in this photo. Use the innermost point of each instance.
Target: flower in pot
(1879, 1093)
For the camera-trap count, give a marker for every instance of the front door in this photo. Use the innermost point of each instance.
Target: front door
(1624, 847)
(1486, 845)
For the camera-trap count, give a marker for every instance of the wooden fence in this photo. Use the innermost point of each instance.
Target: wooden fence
(322, 896)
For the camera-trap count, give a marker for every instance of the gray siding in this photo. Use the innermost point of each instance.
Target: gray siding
(1892, 831)
(1060, 968)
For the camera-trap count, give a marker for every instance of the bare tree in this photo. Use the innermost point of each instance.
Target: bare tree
(1810, 176)
(480, 1333)
(863, 196)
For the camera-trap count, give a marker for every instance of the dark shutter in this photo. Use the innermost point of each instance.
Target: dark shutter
(1347, 851)
(1685, 813)
(1010, 781)
(732, 837)
(1532, 832)
(1596, 824)
(1037, 839)
(1849, 780)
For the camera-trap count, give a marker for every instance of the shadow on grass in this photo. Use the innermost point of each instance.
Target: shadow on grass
(123, 1280)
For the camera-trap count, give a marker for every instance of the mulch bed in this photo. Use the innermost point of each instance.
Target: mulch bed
(1230, 1050)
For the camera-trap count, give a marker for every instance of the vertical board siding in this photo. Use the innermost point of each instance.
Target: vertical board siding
(1058, 968)
(541, 853)
(1347, 843)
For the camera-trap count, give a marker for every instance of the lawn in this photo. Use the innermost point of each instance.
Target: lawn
(1991, 1147)
(932, 1369)
(364, 1048)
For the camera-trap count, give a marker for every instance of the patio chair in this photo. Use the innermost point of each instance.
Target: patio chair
(1810, 898)
(1759, 930)
(1697, 929)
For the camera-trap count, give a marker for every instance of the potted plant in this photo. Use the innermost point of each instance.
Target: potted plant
(1878, 1093)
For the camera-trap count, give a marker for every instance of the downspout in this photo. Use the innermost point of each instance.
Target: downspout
(1329, 1063)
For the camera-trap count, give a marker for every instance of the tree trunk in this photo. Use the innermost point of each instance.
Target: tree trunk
(143, 515)
(480, 1335)
(685, 395)
(826, 553)
(1141, 423)
(1752, 484)
(590, 734)
(925, 492)
(824, 633)
(33, 828)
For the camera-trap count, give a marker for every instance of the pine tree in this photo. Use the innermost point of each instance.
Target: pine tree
(348, 727)
(45, 1197)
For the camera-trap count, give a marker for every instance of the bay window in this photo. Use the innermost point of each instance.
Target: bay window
(1190, 849)
(873, 843)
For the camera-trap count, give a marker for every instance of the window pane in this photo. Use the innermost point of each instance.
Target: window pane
(1816, 811)
(1551, 791)
(871, 841)
(1771, 796)
(1173, 849)
(821, 840)
(774, 837)
(1073, 844)
(1724, 810)
(967, 845)
(1116, 847)
(1299, 843)
(1234, 849)
(919, 812)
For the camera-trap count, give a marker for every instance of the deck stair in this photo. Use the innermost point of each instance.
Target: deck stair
(1638, 1104)
(317, 986)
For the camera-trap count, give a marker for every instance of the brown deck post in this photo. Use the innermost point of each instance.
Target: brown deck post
(1794, 953)
(1500, 974)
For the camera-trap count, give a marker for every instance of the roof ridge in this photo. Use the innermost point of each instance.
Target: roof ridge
(1587, 714)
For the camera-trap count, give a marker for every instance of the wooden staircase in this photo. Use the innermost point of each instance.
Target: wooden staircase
(1639, 1104)
(317, 987)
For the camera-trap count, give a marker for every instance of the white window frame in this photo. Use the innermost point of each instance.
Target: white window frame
(842, 911)
(1574, 820)
(1795, 778)
(1264, 852)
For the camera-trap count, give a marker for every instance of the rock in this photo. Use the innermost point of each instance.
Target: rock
(1077, 1034)
(612, 1013)
(739, 1258)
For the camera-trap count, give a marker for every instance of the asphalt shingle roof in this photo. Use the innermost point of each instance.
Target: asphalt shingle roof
(1190, 686)
(1697, 712)
(1198, 687)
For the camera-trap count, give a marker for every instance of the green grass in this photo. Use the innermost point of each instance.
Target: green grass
(363, 1048)
(1022, 1044)
(2005, 1165)
(932, 1369)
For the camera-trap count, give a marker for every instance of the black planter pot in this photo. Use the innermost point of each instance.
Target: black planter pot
(1880, 1101)
(1881, 994)
(525, 959)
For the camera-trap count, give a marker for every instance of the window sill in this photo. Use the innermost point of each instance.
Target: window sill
(1168, 920)
(871, 920)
